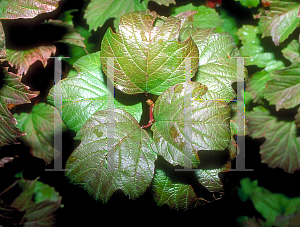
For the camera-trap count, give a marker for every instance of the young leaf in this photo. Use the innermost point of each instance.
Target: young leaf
(132, 167)
(148, 58)
(25, 58)
(283, 87)
(39, 127)
(14, 9)
(86, 93)
(209, 124)
(282, 146)
(71, 36)
(204, 18)
(2, 42)
(217, 63)
(280, 21)
(12, 92)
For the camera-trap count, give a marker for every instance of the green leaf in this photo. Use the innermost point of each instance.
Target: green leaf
(12, 92)
(86, 93)
(33, 212)
(280, 21)
(284, 88)
(44, 192)
(148, 59)
(256, 84)
(204, 18)
(269, 204)
(132, 168)
(2, 42)
(209, 124)
(176, 195)
(14, 9)
(282, 146)
(23, 59)
(252, 48)
(217, 65)
(249, 3)
(39, 127)
(99, 11)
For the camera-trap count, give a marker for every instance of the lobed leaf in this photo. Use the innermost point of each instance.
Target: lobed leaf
(269, 205)
(177, 196)
(86, 93)
(148, 58)
(14, 9)
(99, 11)
(280, 21)
(217, 63)
(253, 50)
(282, 146)
(12, 92)
(283, 89)
(132, 167)
(208, 124)
(24, 59)
(39, 127)
(36, 205)
(204, 18)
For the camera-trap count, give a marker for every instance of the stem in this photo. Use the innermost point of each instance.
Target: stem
(151, 121)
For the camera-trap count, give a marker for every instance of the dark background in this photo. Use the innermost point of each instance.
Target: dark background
(79, 207)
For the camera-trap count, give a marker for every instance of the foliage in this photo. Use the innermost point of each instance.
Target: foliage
(185, 66)
(272, 206)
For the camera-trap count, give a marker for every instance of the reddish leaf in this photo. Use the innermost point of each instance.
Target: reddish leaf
(24, 59)
(5, 160)
(12, 92)
(15, 9)
(2, 42)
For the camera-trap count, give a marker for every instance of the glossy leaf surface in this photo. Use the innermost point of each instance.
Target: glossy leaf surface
(217, 63)
(39, 127)
(208, 124)
(148, 58)
(280, 21)
(14, 9)
(22, 60)
(86, 93)
(132, 167)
